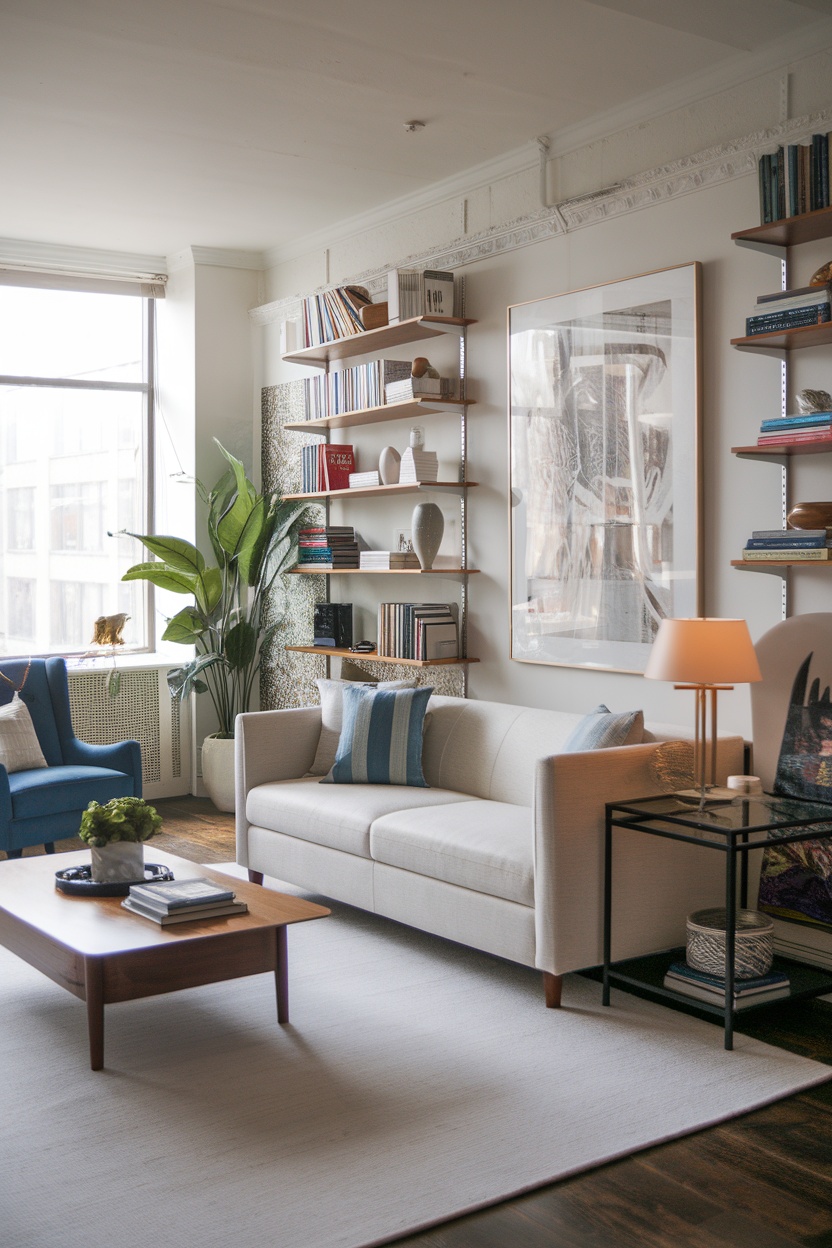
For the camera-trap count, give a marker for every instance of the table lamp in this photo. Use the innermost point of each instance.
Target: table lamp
(707, 656)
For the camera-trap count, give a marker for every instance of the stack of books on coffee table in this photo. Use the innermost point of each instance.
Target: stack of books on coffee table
(179, 901)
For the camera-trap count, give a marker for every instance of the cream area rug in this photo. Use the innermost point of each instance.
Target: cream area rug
(417, 1080)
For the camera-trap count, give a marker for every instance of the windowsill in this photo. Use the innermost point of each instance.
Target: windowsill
(125, 662)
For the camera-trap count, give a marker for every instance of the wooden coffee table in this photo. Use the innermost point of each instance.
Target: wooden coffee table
(101, 953)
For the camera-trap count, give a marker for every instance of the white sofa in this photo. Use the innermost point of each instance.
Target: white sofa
(504, 850)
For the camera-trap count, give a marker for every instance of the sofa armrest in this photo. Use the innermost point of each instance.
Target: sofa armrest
(271, 745)
(656, 882)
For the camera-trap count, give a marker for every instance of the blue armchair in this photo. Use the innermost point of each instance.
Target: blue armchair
(41, 806)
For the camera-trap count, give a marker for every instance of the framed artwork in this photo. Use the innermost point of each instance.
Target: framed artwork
(605, 448)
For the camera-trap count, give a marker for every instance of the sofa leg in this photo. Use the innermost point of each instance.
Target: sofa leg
(49, 847)
(14, 853)
(552, 988)
(255, 877)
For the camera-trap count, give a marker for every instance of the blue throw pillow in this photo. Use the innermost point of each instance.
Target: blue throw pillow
(381, 737)
(601, 729)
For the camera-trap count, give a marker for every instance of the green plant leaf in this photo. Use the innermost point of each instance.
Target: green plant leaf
(208, 590)
(174, 551)
(241, 645)
(185, 627)
(164, 577)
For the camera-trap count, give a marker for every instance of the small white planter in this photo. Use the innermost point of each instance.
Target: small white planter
(218, 771)
(122, 862)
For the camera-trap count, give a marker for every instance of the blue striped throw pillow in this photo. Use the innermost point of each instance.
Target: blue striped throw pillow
(603, 728)
(381, 737)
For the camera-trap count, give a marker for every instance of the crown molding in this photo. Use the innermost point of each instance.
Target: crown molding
(51, 258)
(707, 168)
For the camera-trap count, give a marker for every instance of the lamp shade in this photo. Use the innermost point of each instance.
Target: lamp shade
(703, 652)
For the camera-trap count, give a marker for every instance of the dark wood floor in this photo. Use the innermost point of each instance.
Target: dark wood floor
(761, 1181)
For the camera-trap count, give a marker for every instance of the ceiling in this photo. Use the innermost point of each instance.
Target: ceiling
(151, 125)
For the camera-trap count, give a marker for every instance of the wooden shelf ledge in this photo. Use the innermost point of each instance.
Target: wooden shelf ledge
(372, 657)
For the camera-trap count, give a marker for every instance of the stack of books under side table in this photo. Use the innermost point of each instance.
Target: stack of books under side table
(178, 901)
(692, 983)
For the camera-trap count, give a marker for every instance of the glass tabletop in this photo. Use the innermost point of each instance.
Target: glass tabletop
(765, 812)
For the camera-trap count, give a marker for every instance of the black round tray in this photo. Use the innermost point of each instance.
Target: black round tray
(78, 880)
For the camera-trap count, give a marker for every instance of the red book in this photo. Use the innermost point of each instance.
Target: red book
(789, 439)
(339, 462)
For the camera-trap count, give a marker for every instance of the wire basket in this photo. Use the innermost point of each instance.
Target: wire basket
(753, 947)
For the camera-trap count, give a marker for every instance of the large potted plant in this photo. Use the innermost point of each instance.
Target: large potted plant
(116, 832)
(253, 538)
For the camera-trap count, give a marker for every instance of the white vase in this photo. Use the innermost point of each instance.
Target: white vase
(121, 862)
(218, 771)
(389, 462)
(428, 525)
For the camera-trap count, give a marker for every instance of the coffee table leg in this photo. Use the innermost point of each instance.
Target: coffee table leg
(281, 975)
(94, 984)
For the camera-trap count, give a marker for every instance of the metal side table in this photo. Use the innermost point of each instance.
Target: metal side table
(734, 828)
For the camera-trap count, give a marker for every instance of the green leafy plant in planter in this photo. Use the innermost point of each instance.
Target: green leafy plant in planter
(120, 819)
(115, 833)
(254, 540)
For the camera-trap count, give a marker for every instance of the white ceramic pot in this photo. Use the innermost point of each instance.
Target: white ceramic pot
(218, 771)
(427, 527)
(121, 862)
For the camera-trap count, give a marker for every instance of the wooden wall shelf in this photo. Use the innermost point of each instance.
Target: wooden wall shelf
(372, 657)
(398, 335)
(413, 409)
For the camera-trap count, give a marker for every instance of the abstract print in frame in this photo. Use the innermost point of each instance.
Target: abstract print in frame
(604, 427)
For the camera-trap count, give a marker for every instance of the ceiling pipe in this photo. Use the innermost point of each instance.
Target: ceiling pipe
(544, 149)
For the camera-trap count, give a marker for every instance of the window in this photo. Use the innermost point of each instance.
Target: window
(21, 609)
(20, 518)
(76, 404)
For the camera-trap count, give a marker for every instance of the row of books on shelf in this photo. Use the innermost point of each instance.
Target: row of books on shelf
(792, 430)
(328, 547)
(692, 983)
(789, 309)
(777, 544)
(794, 178)
(418, 630)
(326, 466)
(352, 389)
(182, 901)
(333, 314)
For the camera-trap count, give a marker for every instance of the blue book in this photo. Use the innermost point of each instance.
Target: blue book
(796, 422)
(790, 542)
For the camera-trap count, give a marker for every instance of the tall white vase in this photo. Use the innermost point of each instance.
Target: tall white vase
(218, 771)
(427, 525)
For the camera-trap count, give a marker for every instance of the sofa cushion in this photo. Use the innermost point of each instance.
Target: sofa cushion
(602, 729)
(19, 746)
(381, 737)
(481, 845)
(334, 815)
(332, 692)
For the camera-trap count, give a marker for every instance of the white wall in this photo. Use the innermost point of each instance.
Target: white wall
(662, 217)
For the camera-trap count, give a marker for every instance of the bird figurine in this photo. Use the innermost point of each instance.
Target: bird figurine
(107, 629)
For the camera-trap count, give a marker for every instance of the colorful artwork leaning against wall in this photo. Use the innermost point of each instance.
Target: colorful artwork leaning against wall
(796, 880)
